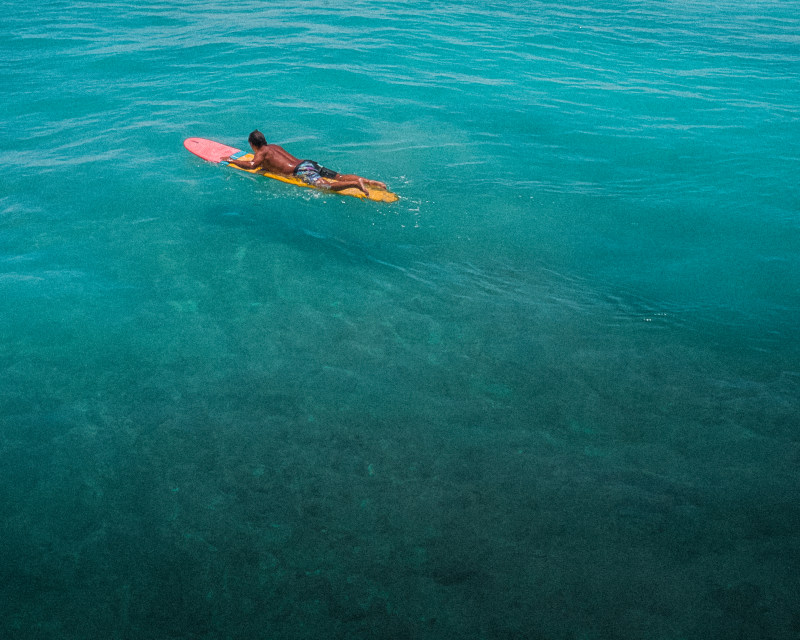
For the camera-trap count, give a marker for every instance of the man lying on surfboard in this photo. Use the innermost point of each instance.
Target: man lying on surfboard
(276, 159)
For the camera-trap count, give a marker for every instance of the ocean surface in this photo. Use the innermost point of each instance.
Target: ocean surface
(552, 393)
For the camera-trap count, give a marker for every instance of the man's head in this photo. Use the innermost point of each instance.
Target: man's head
(257, 139)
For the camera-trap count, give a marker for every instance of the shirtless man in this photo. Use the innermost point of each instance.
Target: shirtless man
(275, 159)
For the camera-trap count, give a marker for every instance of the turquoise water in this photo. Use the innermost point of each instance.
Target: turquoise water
(551, 393)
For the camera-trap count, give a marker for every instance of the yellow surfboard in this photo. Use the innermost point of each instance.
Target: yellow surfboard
(215, 152)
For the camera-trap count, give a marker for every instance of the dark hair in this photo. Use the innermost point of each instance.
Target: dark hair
(257, 139)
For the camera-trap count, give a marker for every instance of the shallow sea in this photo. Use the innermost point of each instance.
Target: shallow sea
(552, 393)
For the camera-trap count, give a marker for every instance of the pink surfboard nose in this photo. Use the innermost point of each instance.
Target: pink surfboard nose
(208, 149)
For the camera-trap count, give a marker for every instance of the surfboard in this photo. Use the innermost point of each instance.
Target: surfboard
(215, 152)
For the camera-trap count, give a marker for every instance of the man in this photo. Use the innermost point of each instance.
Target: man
(275, 159)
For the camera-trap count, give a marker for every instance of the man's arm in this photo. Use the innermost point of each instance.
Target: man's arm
(255, 163)
(244, 164)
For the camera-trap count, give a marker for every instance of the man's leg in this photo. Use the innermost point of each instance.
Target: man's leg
(342, 183)
(351, 177)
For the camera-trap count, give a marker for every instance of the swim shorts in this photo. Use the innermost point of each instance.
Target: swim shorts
(313, 173)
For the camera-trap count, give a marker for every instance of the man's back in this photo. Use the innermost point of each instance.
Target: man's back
(275, 159)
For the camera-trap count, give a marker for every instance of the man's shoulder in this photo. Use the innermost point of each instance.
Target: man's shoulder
(264, 152)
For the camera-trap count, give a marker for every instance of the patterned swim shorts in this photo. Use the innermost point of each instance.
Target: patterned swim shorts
(313, 173)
